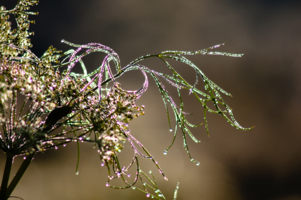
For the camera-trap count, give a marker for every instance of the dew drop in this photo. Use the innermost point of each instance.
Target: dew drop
(134, 188)
(170, 130)
(24, 158)
(165, 152)
(76, 173)
(129, 175)
(107, 184)
(55, 147)
(102, 164)
(150, 171)
(148, 195)
(64, 145)
(197, 163)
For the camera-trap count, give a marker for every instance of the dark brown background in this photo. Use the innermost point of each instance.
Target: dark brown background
(264, 163)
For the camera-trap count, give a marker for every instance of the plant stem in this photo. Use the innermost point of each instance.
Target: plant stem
(6, 173)
(19, 175)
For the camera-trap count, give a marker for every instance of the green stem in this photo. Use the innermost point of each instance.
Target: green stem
(19, 175)
(6, 173)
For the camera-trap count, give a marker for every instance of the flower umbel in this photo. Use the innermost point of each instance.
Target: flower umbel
(110, 120)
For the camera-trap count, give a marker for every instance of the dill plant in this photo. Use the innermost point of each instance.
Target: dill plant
(43, 106)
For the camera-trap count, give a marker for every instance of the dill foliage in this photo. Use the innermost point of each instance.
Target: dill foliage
(43, 106)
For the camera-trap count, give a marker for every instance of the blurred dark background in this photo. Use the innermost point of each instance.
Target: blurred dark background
(264, 163)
